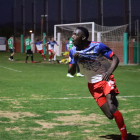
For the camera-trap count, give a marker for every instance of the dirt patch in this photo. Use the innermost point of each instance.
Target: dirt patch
(15, 102)
(136, 121)
(130, 110)
(46, 124)
(14, 129)
(75, 120)
(82, 118)
(60, 134)
(66, 111)
(16, 115)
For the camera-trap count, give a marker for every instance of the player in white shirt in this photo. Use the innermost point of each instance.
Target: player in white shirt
(50, 45)
(39, 46)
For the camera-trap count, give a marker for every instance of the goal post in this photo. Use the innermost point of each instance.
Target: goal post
(112, 36)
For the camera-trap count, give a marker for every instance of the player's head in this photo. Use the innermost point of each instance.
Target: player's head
(80, 35)
(52, 39)
(11, 37)
(85, 31)
(37, 39)
(28, 36)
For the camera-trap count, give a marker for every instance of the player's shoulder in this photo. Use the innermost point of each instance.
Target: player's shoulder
(73, 50)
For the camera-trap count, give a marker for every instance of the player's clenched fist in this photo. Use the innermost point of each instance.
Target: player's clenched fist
(76, 55)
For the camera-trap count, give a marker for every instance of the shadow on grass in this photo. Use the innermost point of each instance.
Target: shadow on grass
(118, 137)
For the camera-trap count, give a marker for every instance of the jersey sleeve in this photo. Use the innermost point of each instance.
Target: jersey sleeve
(71, 58)
(106, 51)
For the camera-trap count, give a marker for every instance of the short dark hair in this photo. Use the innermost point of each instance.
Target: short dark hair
(85, 31)
(37, 39)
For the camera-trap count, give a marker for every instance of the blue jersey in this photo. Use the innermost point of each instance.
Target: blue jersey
(52, 43)
(38, 45)
(93, 60)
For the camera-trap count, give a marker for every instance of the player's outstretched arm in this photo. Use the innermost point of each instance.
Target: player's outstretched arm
(43, 38)
(114, 65)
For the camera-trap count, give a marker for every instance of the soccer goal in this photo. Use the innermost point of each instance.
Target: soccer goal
(112, 36)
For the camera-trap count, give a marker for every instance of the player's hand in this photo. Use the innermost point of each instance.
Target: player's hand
(76, 55)
(106, 76)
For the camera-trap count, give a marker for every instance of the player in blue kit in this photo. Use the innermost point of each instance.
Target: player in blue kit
(51, 44)
(92, 58)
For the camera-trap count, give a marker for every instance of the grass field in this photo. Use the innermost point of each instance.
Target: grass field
(38, 102)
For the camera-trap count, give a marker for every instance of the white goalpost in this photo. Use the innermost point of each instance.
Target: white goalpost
(112, 36)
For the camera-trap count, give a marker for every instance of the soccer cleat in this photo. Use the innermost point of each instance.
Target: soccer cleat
(69, 75)
(79, 75)
(10, 59)
(25, 61)
(44, 58)
(33, 61)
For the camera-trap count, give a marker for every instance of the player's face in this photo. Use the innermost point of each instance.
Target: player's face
(77, 38)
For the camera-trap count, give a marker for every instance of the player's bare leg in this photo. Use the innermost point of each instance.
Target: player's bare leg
(111, 111)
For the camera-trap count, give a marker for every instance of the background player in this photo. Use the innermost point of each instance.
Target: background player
(11, 48)
(40, 46)
(28, 49)
(92, 59)
(51, 44)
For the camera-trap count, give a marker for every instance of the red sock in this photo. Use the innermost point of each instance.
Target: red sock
(53, 56)
(120, 122)
(43, 56)
(50, 57)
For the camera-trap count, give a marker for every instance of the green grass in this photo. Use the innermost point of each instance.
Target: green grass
(38, 102)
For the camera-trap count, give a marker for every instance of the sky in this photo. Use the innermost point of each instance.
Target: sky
(89, 12)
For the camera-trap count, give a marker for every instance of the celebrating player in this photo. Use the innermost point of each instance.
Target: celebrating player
(39, 47)
(11, 48)
(92, 58)
(51, 48)
(28, 49)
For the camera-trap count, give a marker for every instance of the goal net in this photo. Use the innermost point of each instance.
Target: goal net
(112, 36)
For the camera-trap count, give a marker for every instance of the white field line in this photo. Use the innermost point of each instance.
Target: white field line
(10, 69)
(65, 98)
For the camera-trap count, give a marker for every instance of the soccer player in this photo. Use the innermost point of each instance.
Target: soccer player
(40, 46)
(28, 49)
(92, 58)
(51, 44)
(11, 48)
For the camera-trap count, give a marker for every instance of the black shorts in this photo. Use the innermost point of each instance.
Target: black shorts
(11, 50)
(29, 52)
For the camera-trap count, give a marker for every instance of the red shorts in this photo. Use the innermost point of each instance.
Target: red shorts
(101, 89)
(51, 51)
(40, 51)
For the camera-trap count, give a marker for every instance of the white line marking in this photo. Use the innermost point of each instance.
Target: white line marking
(10, 69)
(66, 98)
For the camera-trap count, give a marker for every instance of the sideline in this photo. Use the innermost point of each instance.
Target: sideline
(65, 98)
(10, 69)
